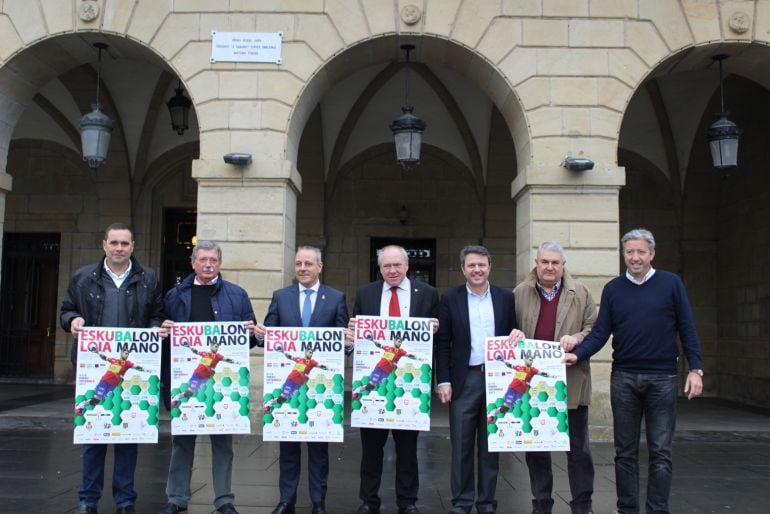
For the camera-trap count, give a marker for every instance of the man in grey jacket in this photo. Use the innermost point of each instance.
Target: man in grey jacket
(552, 306)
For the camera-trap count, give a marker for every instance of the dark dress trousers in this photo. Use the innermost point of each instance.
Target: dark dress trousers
(330, 310)
(423, 303)
(467, 412)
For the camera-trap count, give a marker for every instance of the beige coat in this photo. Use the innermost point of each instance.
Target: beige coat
(575, 315)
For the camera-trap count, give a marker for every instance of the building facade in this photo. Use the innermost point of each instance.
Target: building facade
(507, 89)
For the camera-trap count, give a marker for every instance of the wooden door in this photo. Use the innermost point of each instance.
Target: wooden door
(28, 306)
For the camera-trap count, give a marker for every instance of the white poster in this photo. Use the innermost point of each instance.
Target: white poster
(304, 384)
(526, 396)
(210, 378)
(117, 385)
(392, 373)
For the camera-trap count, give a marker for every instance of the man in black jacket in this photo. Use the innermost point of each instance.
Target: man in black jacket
(468, 315)
(117, 291)
(393, 296)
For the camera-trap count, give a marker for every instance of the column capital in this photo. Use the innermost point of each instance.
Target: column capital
(558, 177)
(217, 172)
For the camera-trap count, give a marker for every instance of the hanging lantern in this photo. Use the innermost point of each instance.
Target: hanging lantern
(408, 128)
(179, 109)
(723, 135)
(96, 127)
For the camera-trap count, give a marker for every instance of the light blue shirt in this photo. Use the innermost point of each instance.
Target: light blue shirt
(313, 295)
(481, 315)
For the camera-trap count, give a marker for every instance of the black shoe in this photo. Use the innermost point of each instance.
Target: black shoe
(283, 508)
(172, 508)
(318, 508)
(365, 508)
(410, 509)
(85, 509)
(227, 508)
(125, 510)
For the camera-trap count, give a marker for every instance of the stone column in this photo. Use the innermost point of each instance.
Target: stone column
(253, 217)
(580, 211)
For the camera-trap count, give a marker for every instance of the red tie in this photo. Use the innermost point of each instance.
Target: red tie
(394, 310)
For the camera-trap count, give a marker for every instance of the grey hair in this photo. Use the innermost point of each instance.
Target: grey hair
(639, 234)
(477, 249)
(552, 246)
(206, 245)
(315, 249)
(400, 249)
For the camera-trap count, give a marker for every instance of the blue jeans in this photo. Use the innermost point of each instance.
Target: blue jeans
(653, 397)
(90, 490)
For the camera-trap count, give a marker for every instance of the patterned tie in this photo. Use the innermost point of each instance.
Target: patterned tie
(394, 309)
(307, 308)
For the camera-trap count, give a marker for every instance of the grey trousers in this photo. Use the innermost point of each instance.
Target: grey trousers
(468, 431)
(180, 469)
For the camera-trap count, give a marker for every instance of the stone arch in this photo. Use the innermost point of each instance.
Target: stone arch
(384, 50)
(45, 87)
(711, 228)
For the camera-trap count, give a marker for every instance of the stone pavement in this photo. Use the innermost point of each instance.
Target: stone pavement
(721, 464)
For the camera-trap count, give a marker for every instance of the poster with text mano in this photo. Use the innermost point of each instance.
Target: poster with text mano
(117, 385)
(526, 396)
(304, 384)
(392, 373)
(210, 378)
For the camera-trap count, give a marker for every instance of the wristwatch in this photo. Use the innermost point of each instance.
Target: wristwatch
(698, 371)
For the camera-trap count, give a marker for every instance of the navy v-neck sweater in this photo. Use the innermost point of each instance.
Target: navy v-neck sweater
(644, 321)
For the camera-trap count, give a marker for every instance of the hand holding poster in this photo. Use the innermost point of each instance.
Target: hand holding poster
(392, 373)
(304, 384)
(526, 396)
(210, 378)
(117, 385)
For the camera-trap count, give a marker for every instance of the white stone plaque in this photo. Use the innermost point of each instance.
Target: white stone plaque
(246, 46)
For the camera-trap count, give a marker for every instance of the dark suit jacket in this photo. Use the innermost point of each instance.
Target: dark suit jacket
(453, 341)
(423, 302)
(331, 308)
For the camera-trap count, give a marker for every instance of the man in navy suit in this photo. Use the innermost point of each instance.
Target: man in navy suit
(313, 304)
(468, 315)
(395, 295)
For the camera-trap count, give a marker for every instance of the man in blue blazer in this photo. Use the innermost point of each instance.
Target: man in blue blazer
(308, 303)
(395, 295)
(468, 314)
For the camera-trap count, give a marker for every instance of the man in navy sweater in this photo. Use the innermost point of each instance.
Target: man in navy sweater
(644, 310)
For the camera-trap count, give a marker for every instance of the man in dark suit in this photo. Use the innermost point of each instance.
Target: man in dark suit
(312, 304)
(468, 314)
(395, 295)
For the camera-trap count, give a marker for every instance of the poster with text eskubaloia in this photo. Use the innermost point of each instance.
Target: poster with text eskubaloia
(526, 396)
(210, 378)
(392, 373)
(117, 385)
(304, 384)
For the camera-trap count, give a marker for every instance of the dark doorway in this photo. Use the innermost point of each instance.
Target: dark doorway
(422, 258)
(28, 304)
(179, 226)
